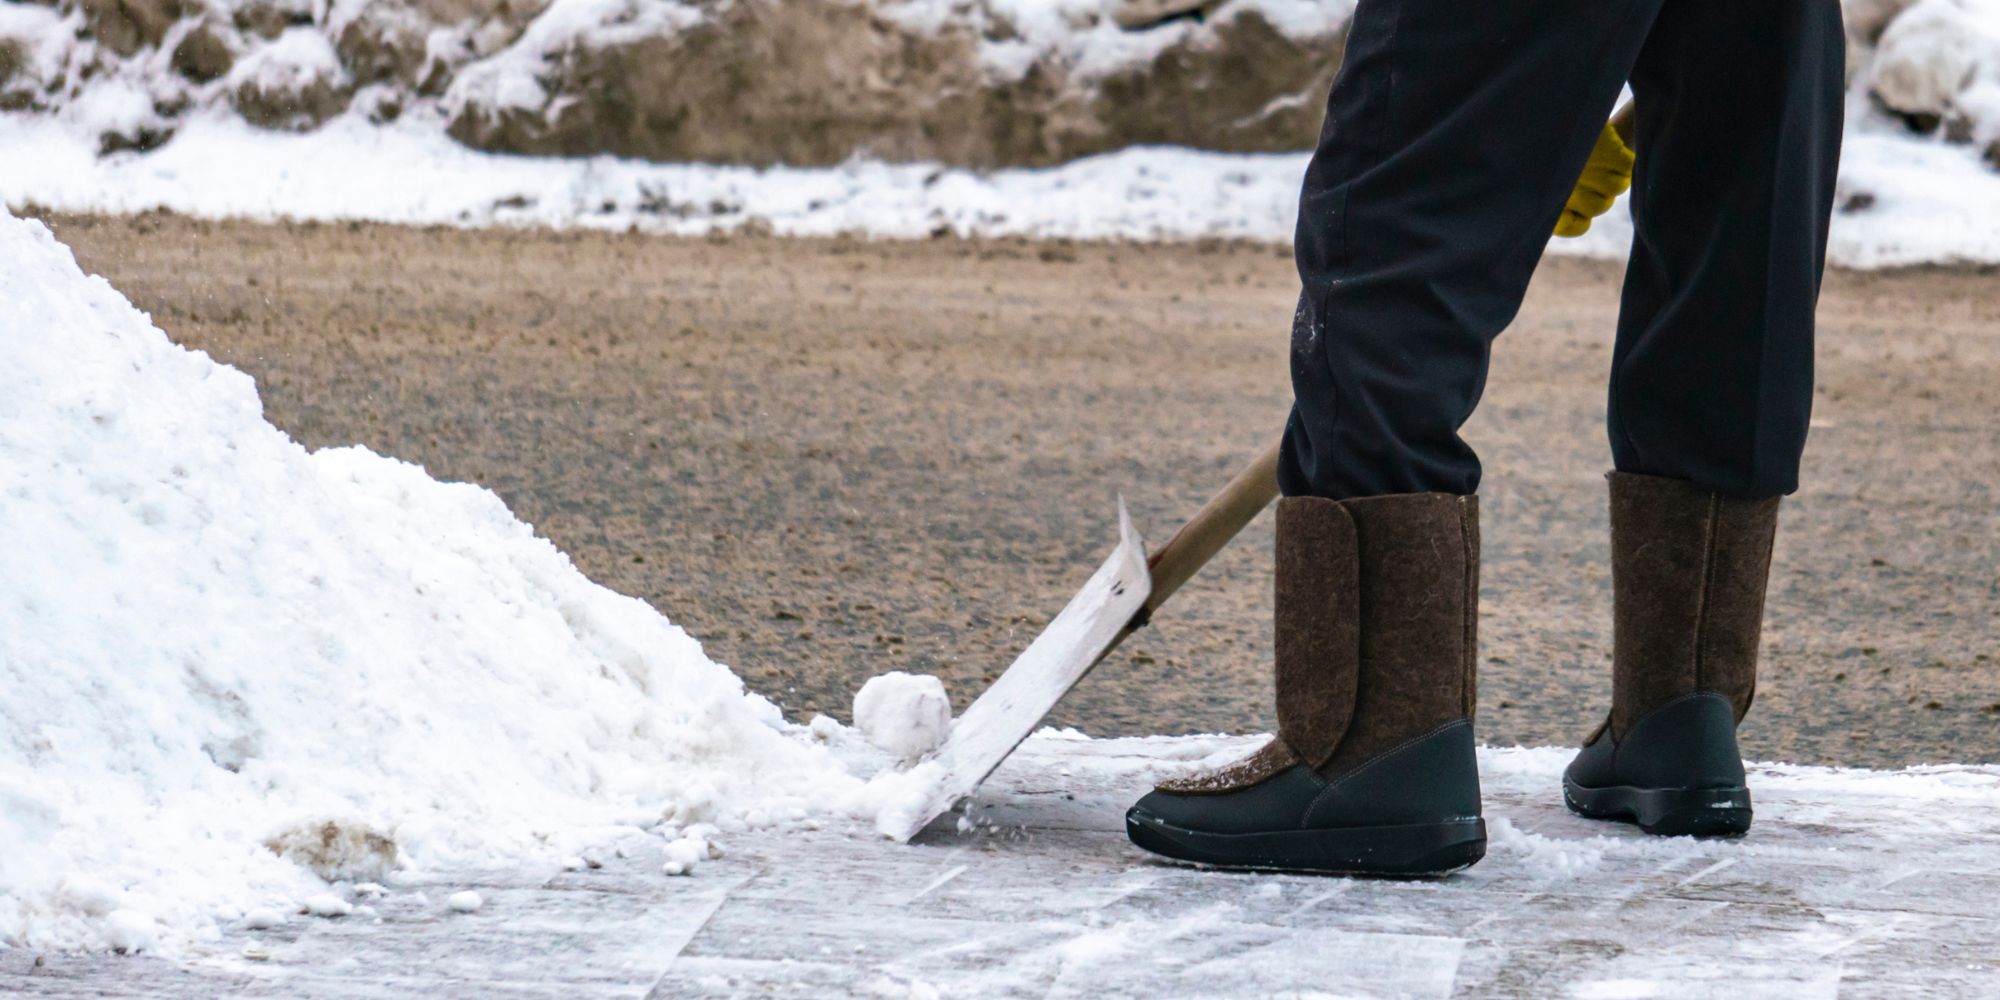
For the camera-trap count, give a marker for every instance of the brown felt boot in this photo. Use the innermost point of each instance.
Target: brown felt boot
(1688, 572)
(1372, 770)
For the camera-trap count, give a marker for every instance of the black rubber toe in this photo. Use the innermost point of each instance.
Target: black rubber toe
(1411, 812)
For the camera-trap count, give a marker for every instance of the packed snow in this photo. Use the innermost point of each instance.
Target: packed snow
(238, 678)
(1853, 884)
(905, 714)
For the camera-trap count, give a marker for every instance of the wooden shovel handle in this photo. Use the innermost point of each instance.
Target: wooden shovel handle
(1212, 527)
(1621, 122)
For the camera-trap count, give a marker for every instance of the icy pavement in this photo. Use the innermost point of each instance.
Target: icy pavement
(1857, 884)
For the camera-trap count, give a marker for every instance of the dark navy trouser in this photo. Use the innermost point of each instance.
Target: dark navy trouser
(1453, 135)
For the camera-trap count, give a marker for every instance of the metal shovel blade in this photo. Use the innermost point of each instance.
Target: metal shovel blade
(1092, 623)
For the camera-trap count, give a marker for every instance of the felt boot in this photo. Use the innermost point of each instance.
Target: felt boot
(1372, 769)
(1688, 572)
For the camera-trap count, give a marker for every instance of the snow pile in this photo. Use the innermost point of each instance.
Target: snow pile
(227, 664)
(904, 714)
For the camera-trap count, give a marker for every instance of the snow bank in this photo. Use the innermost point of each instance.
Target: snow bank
(1905, 200)
(227, 663)
(148, 111)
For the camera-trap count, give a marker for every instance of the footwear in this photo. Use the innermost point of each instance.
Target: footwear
(1688, 572)
(1372, 771)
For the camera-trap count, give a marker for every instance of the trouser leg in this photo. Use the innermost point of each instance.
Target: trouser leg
(1738, 141)
(1453, 134)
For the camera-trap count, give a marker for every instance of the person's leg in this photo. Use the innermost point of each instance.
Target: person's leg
(1738, 140)
(1453, 134)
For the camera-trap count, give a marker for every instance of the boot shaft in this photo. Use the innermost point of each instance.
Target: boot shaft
(1373, 769)
(1688, 571)
(1377, 622)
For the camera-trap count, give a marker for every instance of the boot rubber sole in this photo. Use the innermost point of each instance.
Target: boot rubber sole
(1417, 851)
(1667, 812)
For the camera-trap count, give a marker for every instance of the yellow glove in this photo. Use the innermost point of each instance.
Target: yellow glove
(1606, 176)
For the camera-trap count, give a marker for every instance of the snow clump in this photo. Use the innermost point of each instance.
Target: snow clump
(904, 714)
(1938, 62)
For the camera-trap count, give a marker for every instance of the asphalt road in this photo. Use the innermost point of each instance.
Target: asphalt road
(832, 458)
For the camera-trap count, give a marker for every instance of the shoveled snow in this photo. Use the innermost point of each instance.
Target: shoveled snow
(227, 662)
(904, 714)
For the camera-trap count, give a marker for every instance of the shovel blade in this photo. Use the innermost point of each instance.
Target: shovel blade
(1089, 626)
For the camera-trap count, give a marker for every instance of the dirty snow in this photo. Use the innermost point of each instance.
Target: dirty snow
(237, 676)
(511, 77)
(904, 714)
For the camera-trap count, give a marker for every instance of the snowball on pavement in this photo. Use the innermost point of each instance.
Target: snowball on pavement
(905, 714)
(688, 850)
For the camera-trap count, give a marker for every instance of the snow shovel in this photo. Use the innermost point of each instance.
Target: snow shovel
(1117, 601)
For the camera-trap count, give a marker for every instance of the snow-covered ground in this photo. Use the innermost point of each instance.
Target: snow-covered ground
(1854, 884)
(1908, 199)
(1904, 197)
